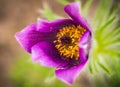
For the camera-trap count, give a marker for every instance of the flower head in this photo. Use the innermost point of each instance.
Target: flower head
(62, 44)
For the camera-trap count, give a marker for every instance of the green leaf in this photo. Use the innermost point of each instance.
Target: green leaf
(101, 12)
(48, 13)
(100, 31)
(103, 67)
(64, 2)
(86, 7)
(90, 68)
(77, 0)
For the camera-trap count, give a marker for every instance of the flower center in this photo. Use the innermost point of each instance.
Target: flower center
(68, 39)
(65, 40)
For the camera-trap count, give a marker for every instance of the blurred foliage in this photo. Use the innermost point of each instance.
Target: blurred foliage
(24, 73)
(105, 54)
(104, 59)
(64, 2)
(48, 13)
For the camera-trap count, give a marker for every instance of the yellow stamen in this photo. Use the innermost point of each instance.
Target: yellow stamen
(67, 41)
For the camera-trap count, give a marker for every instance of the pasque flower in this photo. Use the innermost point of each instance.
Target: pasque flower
(62, 44)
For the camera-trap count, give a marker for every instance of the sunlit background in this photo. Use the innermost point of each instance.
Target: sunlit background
(16, 66)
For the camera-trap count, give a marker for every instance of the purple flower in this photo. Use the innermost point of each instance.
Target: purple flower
(62, 44)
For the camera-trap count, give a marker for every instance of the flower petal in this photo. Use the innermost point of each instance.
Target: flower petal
(73, 11)
(43, 25)
(29, 37)
(47, 55)
(83, 54)
(85, 38)
(54, 26)
(69, 75)
(84, 46)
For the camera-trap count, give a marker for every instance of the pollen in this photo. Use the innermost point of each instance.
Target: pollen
(67, 41)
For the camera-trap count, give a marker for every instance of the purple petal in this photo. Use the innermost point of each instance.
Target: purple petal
(43, 25)
(85, 38)
(47, 55)
(82, 55)
(73, 11)
(54, 26)
(84, 46)
(29, 37)
(69, 75)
